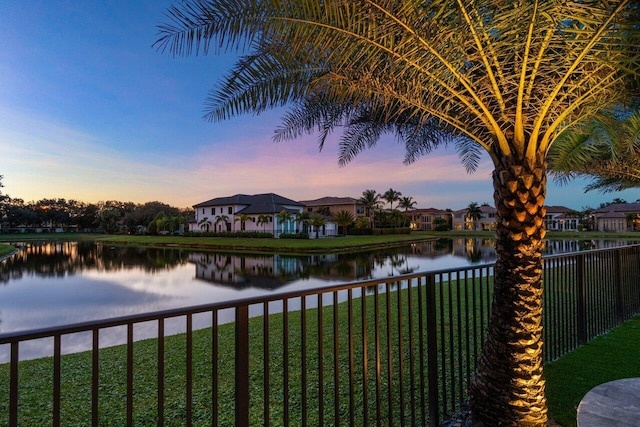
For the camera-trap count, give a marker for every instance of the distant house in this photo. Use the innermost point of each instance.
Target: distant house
(429, 219)
(328, 207)
(332, 205)
(487, 220)
(561, 218)
(618, 217)
(226, 214)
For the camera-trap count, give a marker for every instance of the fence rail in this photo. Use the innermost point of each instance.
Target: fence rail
(398, 351)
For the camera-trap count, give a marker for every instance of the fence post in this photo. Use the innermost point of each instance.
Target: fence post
(242, 366)
(432, 353)
(581, 295)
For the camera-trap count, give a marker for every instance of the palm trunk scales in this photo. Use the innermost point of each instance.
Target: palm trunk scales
(508, 388)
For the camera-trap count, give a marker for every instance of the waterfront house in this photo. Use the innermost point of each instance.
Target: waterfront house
(227, 214)
(618, 217)
(429, 219)
(487, 220)
(561, 218)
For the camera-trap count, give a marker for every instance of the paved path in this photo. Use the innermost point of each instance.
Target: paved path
(616, 403)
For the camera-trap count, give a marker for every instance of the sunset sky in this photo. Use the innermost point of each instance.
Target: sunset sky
(90, 111)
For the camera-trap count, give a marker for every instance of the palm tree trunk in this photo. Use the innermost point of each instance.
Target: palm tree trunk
(508, 388)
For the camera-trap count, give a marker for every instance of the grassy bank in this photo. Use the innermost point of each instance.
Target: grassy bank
(608, 357)
(336, 244)
(5, 249)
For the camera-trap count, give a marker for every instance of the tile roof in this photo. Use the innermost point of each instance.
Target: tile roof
(323, 201)
(254, 204)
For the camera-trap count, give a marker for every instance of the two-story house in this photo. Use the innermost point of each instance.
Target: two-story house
(242, 212)
(618, 217)
(429, 219)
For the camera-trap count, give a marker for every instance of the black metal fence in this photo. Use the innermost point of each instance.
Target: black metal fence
(398, 351)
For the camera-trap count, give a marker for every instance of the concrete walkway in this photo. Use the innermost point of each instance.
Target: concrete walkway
(616, 403)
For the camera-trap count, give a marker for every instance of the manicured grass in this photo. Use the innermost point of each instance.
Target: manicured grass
(5, 249)
(608, 357)
(271, 245)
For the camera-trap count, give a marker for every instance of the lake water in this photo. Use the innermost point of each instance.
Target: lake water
(57, 283)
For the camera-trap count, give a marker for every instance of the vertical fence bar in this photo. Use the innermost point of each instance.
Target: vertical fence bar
(365, 359)
(285, 358)
(13, 385)
(303, 349)
(421, 334)
(242, 365)
(160, 372)
(400, 354)
(214, 367)
(412, 384)
(320, 361)
(352, 369)
(389, 353)
(376, 301)
(56, 379)
(129, 374)
(432, 353)
(95, 376)
(265, 363)
(336, 362)
(189, 369)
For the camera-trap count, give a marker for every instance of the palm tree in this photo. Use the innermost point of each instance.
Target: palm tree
(501, 77)
(263, 220)
(302, 218)
(284, 217)
(243, 218)
(371, 200)
(205, 223)
(606, 149)
(391, 196)
(222, 219)
(474, 213)
(316, 221)
(407, 203)
(344, 219)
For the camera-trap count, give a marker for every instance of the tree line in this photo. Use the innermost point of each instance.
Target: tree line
(109, 216)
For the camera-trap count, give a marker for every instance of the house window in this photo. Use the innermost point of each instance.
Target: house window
(309, 209)
(230, 210)
(213, 211)
(360, 210)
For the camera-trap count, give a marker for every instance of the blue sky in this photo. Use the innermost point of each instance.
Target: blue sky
(90, 111)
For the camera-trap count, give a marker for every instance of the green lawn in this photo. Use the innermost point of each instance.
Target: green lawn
(5, 249)
(608, 357)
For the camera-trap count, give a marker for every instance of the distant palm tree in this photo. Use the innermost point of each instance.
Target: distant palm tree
(302, 219)
(407, 203)
(316, 221)
(344, 219)
(263, 220)
(391, 196)
(284, 217)
(205, 223)
(474, 213)
(222, 219)
(371, 200)
(243, 218)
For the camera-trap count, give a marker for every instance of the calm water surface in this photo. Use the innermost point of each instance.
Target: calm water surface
(56, 283)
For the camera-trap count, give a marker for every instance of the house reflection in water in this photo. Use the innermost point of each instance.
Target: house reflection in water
(273, 271)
